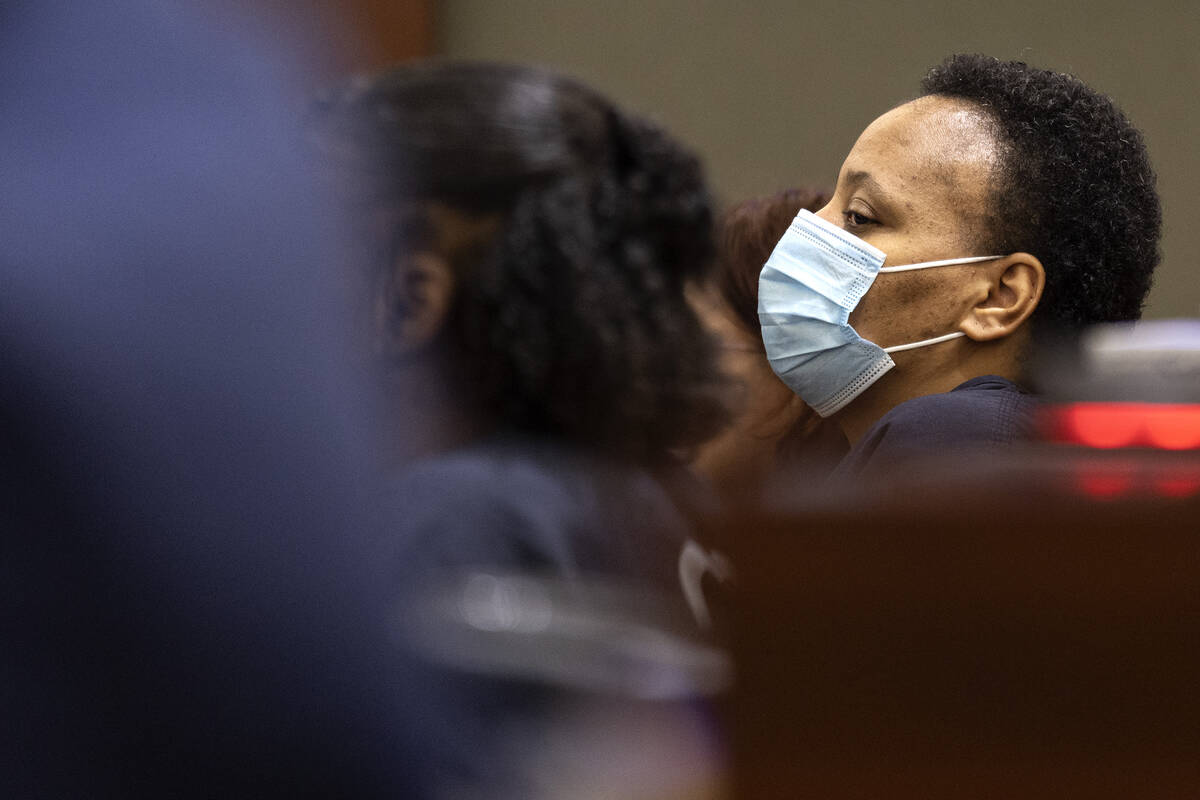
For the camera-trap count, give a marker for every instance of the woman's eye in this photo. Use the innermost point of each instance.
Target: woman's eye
(856, 220)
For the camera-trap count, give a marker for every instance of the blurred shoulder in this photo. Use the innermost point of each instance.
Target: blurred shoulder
(530, 504)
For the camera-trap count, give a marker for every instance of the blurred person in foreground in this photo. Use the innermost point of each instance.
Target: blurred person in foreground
(772, 431)
(182, 441)
(545, 372)
(1003, 204)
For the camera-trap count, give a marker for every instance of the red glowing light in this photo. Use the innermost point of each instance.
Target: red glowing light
(1104, 426)
(1113, 425)
(1173, 427)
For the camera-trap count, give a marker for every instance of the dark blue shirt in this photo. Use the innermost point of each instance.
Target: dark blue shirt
(988, 412)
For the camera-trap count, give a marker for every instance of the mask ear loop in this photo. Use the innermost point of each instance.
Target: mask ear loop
(946, 262)
(924, 342)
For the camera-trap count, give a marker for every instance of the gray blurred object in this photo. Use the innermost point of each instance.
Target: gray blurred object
(1150, 361)
(592, 635)
(624, 678)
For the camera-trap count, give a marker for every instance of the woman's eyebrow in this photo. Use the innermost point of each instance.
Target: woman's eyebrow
(860, 179)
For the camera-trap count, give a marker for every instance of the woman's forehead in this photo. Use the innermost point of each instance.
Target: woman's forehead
(933, 146)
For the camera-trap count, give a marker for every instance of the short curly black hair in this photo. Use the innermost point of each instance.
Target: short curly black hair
(569, 320)
(1075, 187)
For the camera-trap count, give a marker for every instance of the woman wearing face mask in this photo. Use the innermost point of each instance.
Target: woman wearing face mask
(544, 368)
(965, 232)
(772, 431)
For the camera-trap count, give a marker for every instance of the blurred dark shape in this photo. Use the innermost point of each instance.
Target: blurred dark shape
(533, 266)
(992, 627)
(544, 372)
(185, 607)
(772, 433)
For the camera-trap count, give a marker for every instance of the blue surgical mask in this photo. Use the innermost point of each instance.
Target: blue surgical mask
(814, 278)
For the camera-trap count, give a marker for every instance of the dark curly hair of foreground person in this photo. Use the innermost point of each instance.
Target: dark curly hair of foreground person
(1075, 188)
(569, 317)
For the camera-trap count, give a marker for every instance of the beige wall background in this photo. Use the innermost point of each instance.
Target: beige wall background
(773, 93)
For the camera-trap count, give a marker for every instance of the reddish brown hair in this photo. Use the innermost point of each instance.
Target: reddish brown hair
(748, 233)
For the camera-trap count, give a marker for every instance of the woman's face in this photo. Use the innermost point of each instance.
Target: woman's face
(742, 456)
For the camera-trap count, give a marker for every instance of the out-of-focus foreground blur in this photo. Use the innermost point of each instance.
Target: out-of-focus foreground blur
(193, 601)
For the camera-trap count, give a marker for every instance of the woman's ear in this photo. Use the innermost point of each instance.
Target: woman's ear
(1010, 291)
(412, 303)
